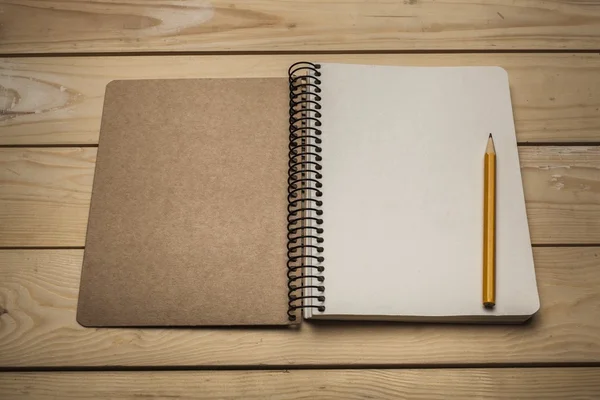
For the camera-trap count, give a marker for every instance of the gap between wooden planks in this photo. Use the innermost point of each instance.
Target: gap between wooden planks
(501, 383)
(39, 289)
(45, 195)
(301, 25)
(58, 100)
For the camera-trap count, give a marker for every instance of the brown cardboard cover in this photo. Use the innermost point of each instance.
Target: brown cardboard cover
(187, 223)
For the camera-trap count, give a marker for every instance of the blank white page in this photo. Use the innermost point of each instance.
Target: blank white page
(403, 152)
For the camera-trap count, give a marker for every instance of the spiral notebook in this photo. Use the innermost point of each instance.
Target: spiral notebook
(342, 192)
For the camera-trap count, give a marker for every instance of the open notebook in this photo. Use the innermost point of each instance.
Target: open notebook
(345, 192)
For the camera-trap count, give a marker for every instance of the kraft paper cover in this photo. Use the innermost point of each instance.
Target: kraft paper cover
(187, 223)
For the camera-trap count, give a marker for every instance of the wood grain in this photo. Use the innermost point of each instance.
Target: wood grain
(503, 383)
(38, 296)
(45, 194)
(562, 192)
(51, 26)
(556, 97)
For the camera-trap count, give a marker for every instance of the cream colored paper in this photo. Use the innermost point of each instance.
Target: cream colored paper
(402, 180)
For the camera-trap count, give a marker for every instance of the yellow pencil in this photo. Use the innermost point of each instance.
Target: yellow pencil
(489, 225)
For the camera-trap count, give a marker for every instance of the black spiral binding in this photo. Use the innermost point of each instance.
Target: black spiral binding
(305, 240)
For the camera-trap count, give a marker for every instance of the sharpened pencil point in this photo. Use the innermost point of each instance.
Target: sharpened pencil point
(490, 149)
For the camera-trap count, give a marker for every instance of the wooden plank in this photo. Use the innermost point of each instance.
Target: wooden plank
(36, 26)
(38, 296)
(556, 97)
(502, 383)
(562, 192)
(45, 194)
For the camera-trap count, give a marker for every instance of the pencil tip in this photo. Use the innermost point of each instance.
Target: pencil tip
(490, 145)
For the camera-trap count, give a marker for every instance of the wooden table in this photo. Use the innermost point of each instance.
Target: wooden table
(59, 55)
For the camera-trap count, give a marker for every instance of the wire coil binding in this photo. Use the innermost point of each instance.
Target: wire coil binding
(305, 216)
